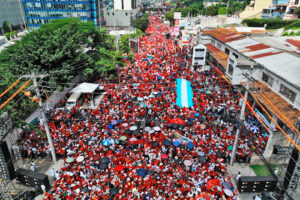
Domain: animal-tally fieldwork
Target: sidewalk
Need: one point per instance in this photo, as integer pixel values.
(245, 170)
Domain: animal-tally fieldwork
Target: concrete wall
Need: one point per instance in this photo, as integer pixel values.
(206, 21)
(121, 18)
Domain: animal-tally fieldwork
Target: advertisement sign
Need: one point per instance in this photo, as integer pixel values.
(177, 15)
(176, 22)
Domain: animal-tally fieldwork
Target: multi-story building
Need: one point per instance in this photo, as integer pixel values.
(12, 11)
(122, 15)
(39, 12)
(276, 68)
(290, 10)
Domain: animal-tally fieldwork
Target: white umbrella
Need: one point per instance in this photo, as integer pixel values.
(228, 192)
(156, 128)
(79, 158)
(151, 131)
(188, 163)
(125, 124)
(155, 92)
(133, 128)
(147, 129)
(133, 139)
(101, 87)
(151, 96)
(140, 99)
(145, 97)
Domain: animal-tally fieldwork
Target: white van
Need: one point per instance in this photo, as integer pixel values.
(72, 100)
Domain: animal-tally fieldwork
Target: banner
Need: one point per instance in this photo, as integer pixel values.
(184, 93)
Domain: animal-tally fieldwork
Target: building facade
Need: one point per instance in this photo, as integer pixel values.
(13, 12)
(39, 12)
(276, 91)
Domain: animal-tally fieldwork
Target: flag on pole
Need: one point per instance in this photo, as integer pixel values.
(184, 93)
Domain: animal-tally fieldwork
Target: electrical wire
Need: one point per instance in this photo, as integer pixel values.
(17, 92)
(286, 135)
(10, 87)
(284, 117)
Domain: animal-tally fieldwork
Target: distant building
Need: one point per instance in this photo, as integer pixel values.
(124, 4)
(13, 12)
(42, 11)
(293, 4)
(122, 15)
(119, 18)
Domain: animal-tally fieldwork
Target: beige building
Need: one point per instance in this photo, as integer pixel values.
(255, 8)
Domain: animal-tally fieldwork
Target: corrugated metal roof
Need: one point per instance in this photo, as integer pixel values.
(280, 63)
(284, 65)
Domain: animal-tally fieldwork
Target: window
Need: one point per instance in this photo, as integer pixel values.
(291, 95)
(230, 69)
(199, 58)
(213, 42)
(227, 51)
(235, 55)
(269, 80)
(199, 50)
(219, 45)
(107, 13)
(296, 2)
(126, 14)
(113, 13)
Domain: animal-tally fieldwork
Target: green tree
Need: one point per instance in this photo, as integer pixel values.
(222, 11)
(6, 27)
(141, 23)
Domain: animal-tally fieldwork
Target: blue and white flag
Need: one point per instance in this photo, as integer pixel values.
(184, 93)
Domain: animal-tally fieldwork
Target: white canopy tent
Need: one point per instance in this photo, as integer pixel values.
(85, 88)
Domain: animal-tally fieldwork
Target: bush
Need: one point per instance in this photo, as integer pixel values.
(15, 33)
(271, 23)
(7, 35)
(294, 25)
(12, 36)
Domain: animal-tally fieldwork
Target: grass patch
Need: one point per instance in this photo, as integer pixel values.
(262, 170)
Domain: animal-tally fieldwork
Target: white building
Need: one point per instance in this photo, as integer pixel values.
(199, 53)
(124, 4)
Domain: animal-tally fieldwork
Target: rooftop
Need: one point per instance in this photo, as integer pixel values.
(219, 55)
(266, 95)
(281, 63)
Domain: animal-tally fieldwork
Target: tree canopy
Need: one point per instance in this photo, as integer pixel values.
(141, 23)
(62, 49)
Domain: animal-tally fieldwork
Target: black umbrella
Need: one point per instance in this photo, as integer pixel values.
(189, 123)
(202, 159)
(156, 123)
(219, 154)
(127, 131)
(174, 126)
(154, 144)
(103, 166)
(113, 191)
(150, 172)
(167, 142)
(105, 160)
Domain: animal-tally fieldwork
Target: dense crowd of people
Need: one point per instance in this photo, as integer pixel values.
(138, 144)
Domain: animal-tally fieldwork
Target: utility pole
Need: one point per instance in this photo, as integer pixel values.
(44, 119)
(242, 116)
